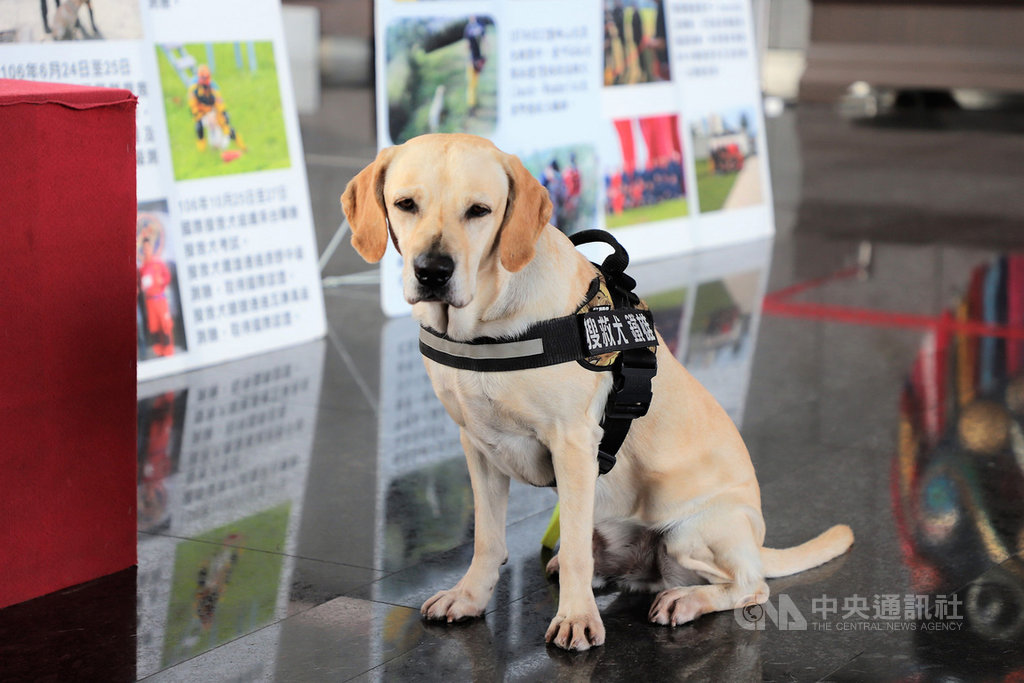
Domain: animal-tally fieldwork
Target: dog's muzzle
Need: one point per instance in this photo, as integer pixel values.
(433, 270)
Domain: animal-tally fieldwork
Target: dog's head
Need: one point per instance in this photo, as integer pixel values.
(457, 206)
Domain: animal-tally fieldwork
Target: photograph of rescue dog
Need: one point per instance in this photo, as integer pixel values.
(570, 175)
(679, 516)
(223, 108)
(442, 76)
(34, 21)
(725, 148)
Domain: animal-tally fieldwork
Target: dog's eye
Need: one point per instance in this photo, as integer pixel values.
(407, 205)
(477, 211)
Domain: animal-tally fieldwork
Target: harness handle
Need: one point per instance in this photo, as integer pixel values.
(613, 267)
(616, 262)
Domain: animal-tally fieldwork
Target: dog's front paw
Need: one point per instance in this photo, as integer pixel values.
(576, 632)
(453, 605)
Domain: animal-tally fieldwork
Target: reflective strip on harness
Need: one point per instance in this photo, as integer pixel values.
(514, 349)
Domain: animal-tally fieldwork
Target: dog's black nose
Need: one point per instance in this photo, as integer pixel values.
(433, 270)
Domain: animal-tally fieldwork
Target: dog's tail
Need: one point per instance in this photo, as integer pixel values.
(819, 550)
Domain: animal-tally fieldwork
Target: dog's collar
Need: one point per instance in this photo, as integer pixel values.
(611, 331)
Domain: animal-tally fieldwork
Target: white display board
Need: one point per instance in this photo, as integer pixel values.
(642, 117)
(223, 201)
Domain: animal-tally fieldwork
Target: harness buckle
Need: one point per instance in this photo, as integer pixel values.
(631, 392)
(605, 462)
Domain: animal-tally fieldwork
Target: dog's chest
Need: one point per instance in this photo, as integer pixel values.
(499, 421)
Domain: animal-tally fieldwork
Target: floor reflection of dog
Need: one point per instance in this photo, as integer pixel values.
(65, 19)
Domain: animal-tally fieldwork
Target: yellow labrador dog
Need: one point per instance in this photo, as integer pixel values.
(681, 511)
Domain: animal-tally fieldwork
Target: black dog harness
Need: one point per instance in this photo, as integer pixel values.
(613, 331)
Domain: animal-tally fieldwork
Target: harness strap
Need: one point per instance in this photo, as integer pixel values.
(635, 367)
(629, 399)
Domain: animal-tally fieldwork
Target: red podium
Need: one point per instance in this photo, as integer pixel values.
(67, 336)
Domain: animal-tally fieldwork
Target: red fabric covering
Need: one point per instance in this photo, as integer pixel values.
(67, 336)
(73, 96)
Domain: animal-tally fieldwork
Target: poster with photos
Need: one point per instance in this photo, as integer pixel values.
(642, 117)
(226, 255)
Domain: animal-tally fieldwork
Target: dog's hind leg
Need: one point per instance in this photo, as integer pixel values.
(618, 552)
(469, 597)
(723, 548)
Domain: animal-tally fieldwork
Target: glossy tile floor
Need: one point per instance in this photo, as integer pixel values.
(296, 508)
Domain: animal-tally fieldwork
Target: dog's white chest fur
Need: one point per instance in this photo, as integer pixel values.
(497, 421)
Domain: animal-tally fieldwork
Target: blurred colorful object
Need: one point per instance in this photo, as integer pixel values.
(958, 477)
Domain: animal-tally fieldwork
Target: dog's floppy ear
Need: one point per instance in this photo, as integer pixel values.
(527, 211)
(363, 204)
